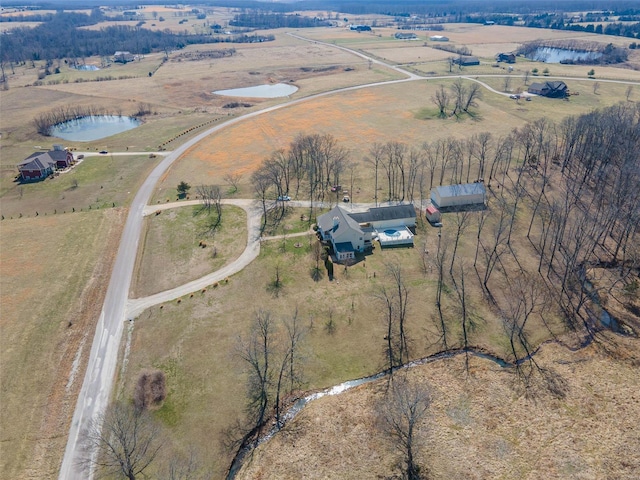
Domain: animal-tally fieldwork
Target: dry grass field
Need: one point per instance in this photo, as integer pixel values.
(484, 42)
(54, 274)
(360, 118)
(479, 426)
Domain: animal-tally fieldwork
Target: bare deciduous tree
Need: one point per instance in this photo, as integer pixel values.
(184, 467)
(210, 195)
(440, 260)
(257, 351)
(441, 100)
(523, 299)
(473, 93)
(261, 186)
(122, 441)
(375, 158)
(395, 299)
(506, 83)
(401, 415)
(233, 179)
(459, 93)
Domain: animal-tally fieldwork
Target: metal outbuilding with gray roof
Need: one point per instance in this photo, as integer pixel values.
(461, 195)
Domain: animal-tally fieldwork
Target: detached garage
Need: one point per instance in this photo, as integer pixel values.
(467, 194)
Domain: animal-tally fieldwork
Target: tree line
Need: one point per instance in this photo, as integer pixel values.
(59, 38)
(265, 20)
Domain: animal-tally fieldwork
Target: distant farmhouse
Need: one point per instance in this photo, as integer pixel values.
(351, 233)
(360, 28)
(438, 38)
(405, 36)
(123, 57)
(506, 57)
(41, 165)
(459, 196)
(557, 89)
(467, 61)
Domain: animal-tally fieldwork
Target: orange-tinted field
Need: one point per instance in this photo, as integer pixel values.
(356, 119)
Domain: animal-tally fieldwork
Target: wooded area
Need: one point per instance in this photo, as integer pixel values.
(61, 38)
(573, 186)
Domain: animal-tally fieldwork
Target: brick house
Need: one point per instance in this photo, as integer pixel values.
(40, 165)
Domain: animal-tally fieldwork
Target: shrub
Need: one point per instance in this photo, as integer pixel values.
(151, 390)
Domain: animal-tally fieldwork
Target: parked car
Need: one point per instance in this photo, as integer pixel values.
(346, 199)
(103, 152)
(284, 198)
(514, 97)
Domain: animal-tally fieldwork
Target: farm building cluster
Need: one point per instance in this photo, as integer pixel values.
(350, 234)
(40, 165)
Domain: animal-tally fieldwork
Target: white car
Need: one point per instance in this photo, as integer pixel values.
(284, 198)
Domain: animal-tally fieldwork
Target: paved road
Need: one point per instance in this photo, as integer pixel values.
(98, 381)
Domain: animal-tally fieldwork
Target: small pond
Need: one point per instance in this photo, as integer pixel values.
(260, 91)
(559, 55)
(93, 127)
(91, 68)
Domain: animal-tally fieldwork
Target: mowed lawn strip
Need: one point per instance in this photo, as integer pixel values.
(180, 245)
(55, 270)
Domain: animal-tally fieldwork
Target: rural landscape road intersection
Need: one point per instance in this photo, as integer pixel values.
(117, 308)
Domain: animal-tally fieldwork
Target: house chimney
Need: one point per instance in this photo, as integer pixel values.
(336, 222)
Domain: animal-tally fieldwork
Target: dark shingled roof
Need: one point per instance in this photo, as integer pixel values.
(380, 214)
(43, 159)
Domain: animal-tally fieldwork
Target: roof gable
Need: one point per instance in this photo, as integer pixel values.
(343, 222)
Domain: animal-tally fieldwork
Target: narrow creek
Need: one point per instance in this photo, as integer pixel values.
(247, 446)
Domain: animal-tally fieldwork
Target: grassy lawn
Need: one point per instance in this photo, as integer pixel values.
(97, 182)
(293, 221)
(52, 293)
(171, 253)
